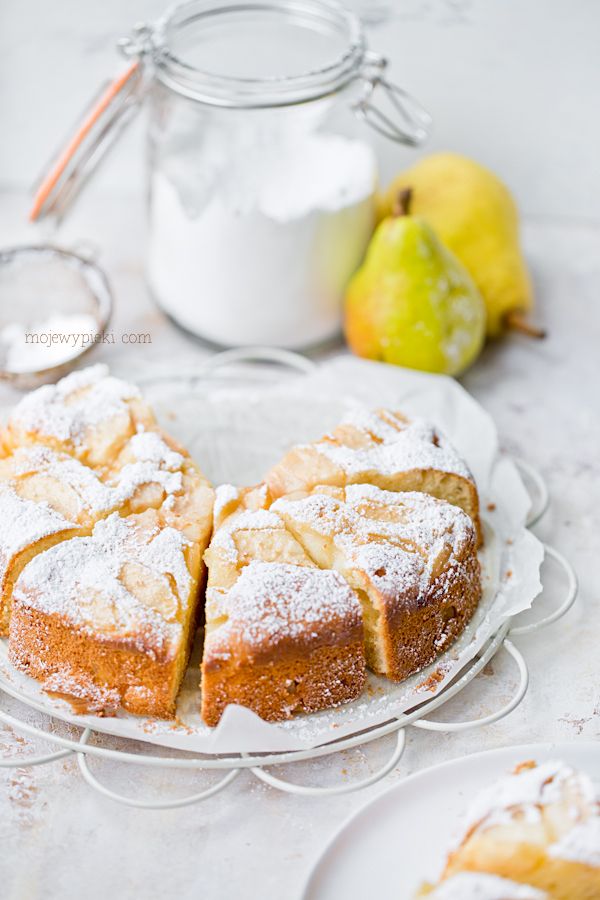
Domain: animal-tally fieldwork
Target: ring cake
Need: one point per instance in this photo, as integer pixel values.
(359, 550)
(383, 448)
(539, 826)
(106, 521)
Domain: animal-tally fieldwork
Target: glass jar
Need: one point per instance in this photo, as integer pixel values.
(260, 208)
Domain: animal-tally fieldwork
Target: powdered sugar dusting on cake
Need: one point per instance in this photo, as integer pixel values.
(24, 522)
(224, 495)
(154, 463)
(384, 426)
(82, 400)
(395, 538)
(580, 844)
(399, 446)
(271, 603)
(81, 580)
(93, 494)
(481, 886)
(83, 693)
(528, 790)
(125, 540)
(148, 446)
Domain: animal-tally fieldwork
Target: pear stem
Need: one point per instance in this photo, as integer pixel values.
(402, 203)
(516, 321)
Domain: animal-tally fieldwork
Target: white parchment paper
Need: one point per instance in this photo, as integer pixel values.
(236, 431)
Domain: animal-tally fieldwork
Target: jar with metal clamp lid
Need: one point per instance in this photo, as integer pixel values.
(260, 207)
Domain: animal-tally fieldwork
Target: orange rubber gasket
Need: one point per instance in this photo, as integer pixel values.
(49, 182)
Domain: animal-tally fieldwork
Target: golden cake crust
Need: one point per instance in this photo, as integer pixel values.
(50, 649)
(320, 679)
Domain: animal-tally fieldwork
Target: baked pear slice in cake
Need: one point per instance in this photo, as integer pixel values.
(412, 560)
(539, 826)
(383, 448)
(282, 636)
(107, 621)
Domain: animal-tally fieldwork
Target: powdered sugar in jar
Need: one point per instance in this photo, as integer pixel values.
(260, 205)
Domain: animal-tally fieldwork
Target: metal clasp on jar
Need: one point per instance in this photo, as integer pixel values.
(139, 43)
(415, 121)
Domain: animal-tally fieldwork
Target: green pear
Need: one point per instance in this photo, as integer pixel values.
(412, 303)
(474, 215)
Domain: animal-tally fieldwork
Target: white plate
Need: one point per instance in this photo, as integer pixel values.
(399, 839)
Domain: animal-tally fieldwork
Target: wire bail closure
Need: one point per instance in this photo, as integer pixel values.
(146, 50)
(415, 121)
(139, 43)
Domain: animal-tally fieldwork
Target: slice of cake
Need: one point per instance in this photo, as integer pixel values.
(89, 414)
(478, 886)
(107, 620)
(383, 448)
(412, 560)
(282, 636)
(539, 826)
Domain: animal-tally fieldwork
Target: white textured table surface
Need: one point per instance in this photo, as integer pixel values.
(60, 841)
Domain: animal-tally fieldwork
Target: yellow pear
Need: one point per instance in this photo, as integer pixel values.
(474, 215)
(412, 303)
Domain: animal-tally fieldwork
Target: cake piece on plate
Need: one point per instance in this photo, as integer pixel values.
(89, 414)
(412, 560)
(282, 636)
(383, 448)
(479, 886)
(107, 620)
(539, 826)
